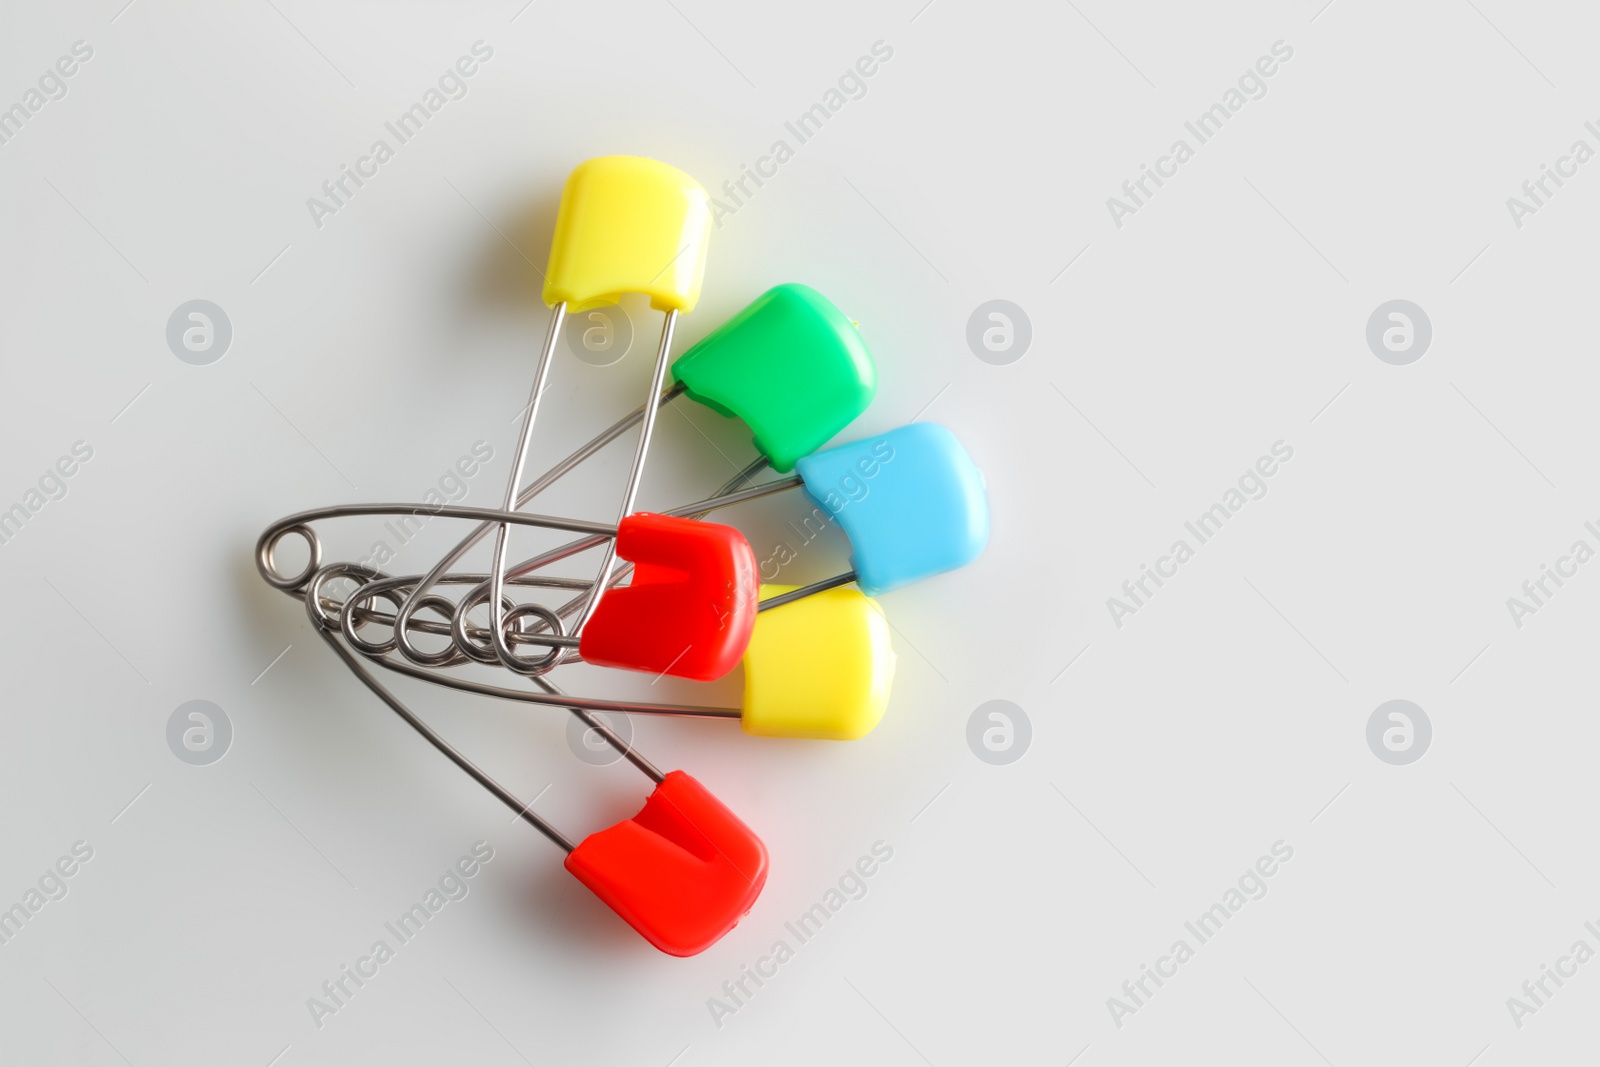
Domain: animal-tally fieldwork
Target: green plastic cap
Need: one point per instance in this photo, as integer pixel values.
(790, 365)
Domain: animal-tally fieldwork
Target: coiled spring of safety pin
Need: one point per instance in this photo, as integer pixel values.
(526, 624)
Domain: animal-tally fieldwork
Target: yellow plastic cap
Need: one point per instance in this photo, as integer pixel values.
(629, 225)
(818, 667)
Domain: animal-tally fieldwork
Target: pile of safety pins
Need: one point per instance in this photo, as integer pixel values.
(817, 659)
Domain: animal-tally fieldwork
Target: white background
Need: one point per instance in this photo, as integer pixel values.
(1168, 754)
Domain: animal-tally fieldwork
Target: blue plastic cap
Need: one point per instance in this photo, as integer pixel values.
(911, 501)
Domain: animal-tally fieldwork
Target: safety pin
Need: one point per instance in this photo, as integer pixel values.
(697, 566)
(817, 670)
(624, 222)
(682, 872)
(911, 501)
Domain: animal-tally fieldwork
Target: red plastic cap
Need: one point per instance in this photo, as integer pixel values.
(690, 608)
(682, 872)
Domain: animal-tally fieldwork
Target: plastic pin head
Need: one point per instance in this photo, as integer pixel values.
(911, 501)
(818, 667)
(690, 607)
(791, 365)
(629, 225)
(682, 872)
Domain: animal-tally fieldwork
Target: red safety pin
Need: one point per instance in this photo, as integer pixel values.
(682, 872)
